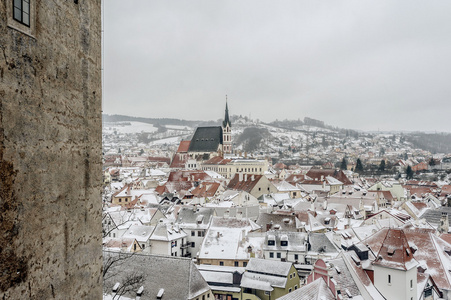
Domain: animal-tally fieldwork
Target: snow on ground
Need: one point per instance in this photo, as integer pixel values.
(124, 127)
(172, 140)
(178, 127)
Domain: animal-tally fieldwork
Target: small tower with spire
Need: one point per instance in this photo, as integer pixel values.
(226, 132)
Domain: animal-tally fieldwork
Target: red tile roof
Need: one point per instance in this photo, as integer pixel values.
(295, 178)
(244, 185)
(430, 251)
(319, 174)
(183, 147)
(217, 160)
(395, 252)
(188, 175)
(159, 159)
(178, 161)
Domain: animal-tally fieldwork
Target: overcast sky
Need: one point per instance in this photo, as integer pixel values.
(354, 64)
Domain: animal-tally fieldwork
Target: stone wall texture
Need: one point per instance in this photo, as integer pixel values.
(50, 152)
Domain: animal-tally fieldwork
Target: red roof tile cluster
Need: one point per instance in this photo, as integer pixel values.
(217, 160)
(387, 195)
(419, 191)
(318, 174)
(247, 184)
(446, 190)
(395, 252)
(159, 159)
(183, 147)
(188, 175)
(174, 186)
(280, 166)
(179, 161)
(419, 183)
(419, 205)
(427, 248)
(205, 189)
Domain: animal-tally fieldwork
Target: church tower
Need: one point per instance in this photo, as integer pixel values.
(226, 132)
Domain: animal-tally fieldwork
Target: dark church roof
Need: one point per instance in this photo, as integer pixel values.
(206, 139)
(226, 118)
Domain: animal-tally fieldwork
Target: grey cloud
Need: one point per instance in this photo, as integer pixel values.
(356, 64)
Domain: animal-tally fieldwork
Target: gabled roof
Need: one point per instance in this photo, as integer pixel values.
(395, 252)
(284, 186)
(178, 161)
(206, 139)
(269, 267)
(247, 184)
(195, 217)
(296, 178)
(281, 222)
(206, 189)
(227, 238)
(167, 232)
(187, 175)
(430, 252)
(318, 174)
(183, 147)
(316, 290)
(178, 276)
(217, 160)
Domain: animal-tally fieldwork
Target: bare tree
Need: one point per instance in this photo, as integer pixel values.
(116, 270)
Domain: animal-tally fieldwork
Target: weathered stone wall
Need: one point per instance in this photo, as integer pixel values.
(50, 152)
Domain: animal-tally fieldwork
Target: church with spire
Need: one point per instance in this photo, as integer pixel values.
(207, 142)
(227, 132)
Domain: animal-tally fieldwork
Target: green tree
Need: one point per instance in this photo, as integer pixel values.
(344, 164)
(409, 172)
(358, 165)
(382, 166)
(432, 162)
(141, 152)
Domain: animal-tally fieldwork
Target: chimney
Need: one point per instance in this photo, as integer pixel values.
(218, 234)
(140, 291)
(245, 177)
(268, 226)
(240, 176)
(252, 177)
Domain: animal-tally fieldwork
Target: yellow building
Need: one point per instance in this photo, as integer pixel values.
(229, 167)
(268, 279)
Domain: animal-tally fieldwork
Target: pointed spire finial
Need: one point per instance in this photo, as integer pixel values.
(226, 117)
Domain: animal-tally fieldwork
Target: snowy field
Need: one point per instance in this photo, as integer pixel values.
(124, 127)
(177, 127)
(172, 140)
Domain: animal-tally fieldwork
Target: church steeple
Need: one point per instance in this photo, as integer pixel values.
(226, 117)
(227, 132)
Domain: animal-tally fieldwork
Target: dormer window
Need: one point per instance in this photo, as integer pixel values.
(284, 240)
(21, 11)
(271, 240)
(391, 251)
